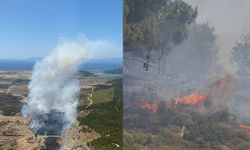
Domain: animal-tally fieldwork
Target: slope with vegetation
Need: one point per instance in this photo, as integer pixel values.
(162, 130)
(105, 116)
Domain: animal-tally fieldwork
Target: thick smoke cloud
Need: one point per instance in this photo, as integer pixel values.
(52, 91)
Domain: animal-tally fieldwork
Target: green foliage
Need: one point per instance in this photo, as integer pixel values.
(183, 119)
(130, 144)
(103, 95)
(106, 119)
(203, 131)
(215, 135)
(137, 140)
(153, 26)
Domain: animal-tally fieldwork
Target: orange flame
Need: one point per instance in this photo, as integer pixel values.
(190, 99)
(152, 106)
(246, 128)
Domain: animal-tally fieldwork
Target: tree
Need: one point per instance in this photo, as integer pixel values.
(152, 28)
(241, 57)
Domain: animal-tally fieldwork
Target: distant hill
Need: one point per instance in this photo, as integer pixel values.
(86, 73)
(113, 71)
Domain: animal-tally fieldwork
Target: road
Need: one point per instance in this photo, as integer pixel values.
(90, 97)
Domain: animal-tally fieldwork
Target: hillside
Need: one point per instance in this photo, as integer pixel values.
(182, 127)
(86, 73)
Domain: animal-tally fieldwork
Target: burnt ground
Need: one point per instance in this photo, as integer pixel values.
(9, 100)
(51, 143)
(4, 86)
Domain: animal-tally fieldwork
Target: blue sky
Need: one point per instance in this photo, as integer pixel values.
(32, 28)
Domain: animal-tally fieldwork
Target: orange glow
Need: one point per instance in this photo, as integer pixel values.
(190, 99)
(246, 128)
(152, 106)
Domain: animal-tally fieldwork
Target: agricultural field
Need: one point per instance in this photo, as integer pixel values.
(105, 115)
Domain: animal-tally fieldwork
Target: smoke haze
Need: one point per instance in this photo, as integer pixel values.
(229, 17)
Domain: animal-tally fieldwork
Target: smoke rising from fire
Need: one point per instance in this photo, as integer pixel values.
(51, 87)
(52, 90)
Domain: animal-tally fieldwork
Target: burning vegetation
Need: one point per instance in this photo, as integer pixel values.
(211, 130)
(208, 125)
(151, 106)
(218, 93)
(190, 99)
(246, 128)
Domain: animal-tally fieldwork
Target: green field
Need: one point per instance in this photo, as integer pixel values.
(105, 116)
(103, 95)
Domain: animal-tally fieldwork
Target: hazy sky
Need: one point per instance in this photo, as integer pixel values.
(230, 18)
(32, 28)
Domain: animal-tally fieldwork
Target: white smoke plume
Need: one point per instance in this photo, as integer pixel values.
(52, 87)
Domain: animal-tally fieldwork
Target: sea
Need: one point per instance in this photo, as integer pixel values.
(94, 66)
